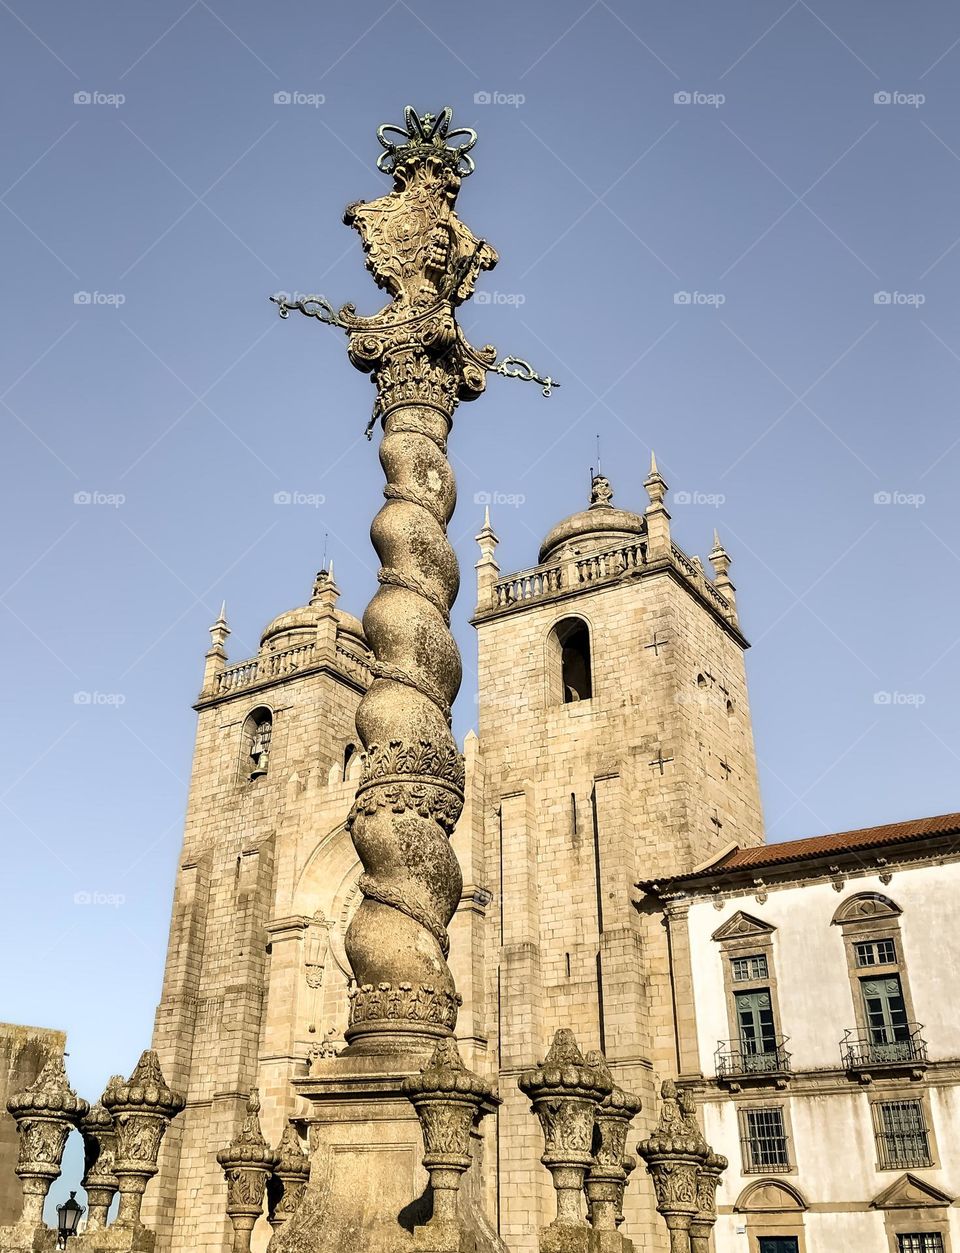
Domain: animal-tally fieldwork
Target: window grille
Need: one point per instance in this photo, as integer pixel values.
(875, 952)
(744, 968)
(764, 1140)
(920, 1242)
(902, 1139)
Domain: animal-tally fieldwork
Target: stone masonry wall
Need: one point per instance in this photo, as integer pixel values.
(576, 811)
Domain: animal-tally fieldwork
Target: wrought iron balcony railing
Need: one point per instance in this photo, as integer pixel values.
(884, 1046)
(739, 1058)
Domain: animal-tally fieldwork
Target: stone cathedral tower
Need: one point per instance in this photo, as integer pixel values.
(614, 745)
(256, 973)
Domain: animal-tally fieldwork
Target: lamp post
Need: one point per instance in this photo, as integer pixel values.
(68, 1215)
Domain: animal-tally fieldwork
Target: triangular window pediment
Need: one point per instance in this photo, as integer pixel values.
(910, 1192)
(742, 926)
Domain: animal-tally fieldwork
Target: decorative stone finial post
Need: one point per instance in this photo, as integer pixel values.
(44, 1113)
(488, 571)
(675, 1154)
(658, 520)
(215, 658)
(246, 1162)
(449, 1100)
(99, 1158)
(142, 1108)
(290, 1176)
(607, 1176)
(708, 1180)
(720, 560)
(324, 598)
(411, 790)
(565, 1091)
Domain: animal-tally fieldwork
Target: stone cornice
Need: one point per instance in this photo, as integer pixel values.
(831, 1081)
(483, 616)
(244, 693)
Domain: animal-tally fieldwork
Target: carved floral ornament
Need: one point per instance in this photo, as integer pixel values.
(449, 1100)
(44, 1113)
(565, 1090)
(684, 1169)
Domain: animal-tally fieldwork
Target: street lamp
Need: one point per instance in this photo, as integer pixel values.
(68, 1215)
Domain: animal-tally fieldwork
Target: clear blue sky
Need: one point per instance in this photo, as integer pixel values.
(783, 187)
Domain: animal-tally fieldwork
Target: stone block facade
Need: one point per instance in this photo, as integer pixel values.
(571, 797)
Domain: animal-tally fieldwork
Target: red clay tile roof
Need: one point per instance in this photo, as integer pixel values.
(822, 845)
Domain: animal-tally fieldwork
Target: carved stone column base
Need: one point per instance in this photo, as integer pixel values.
(27, 1237)
(610, 1242)
(368, 1191)
(560, 1237)
(114, 1239)
(437, 1237)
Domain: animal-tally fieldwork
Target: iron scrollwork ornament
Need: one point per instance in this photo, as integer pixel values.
(424, 256)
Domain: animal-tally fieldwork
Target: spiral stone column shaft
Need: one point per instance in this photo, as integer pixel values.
(411, 789)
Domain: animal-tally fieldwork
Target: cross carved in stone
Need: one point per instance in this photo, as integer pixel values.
(660, 760)
(656, 644)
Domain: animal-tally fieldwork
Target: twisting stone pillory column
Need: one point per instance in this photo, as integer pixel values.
(411, 789)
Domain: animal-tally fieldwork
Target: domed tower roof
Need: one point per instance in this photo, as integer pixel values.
(299, 626)
(598, 527)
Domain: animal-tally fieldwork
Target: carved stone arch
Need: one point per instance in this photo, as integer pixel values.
(329, 882)
(866, 907)
(256, 736)
(770, 1196)
(742, 926)
(569, 659)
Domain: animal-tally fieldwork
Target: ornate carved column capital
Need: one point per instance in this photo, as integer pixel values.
(607, 1175)
(708, 1180)
(44, 1113)
(290, 1177)
(142, 1108)
(565, 1090)
(99, 1161)
(450, 1100)
(683, 1169)
(247, 1162)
